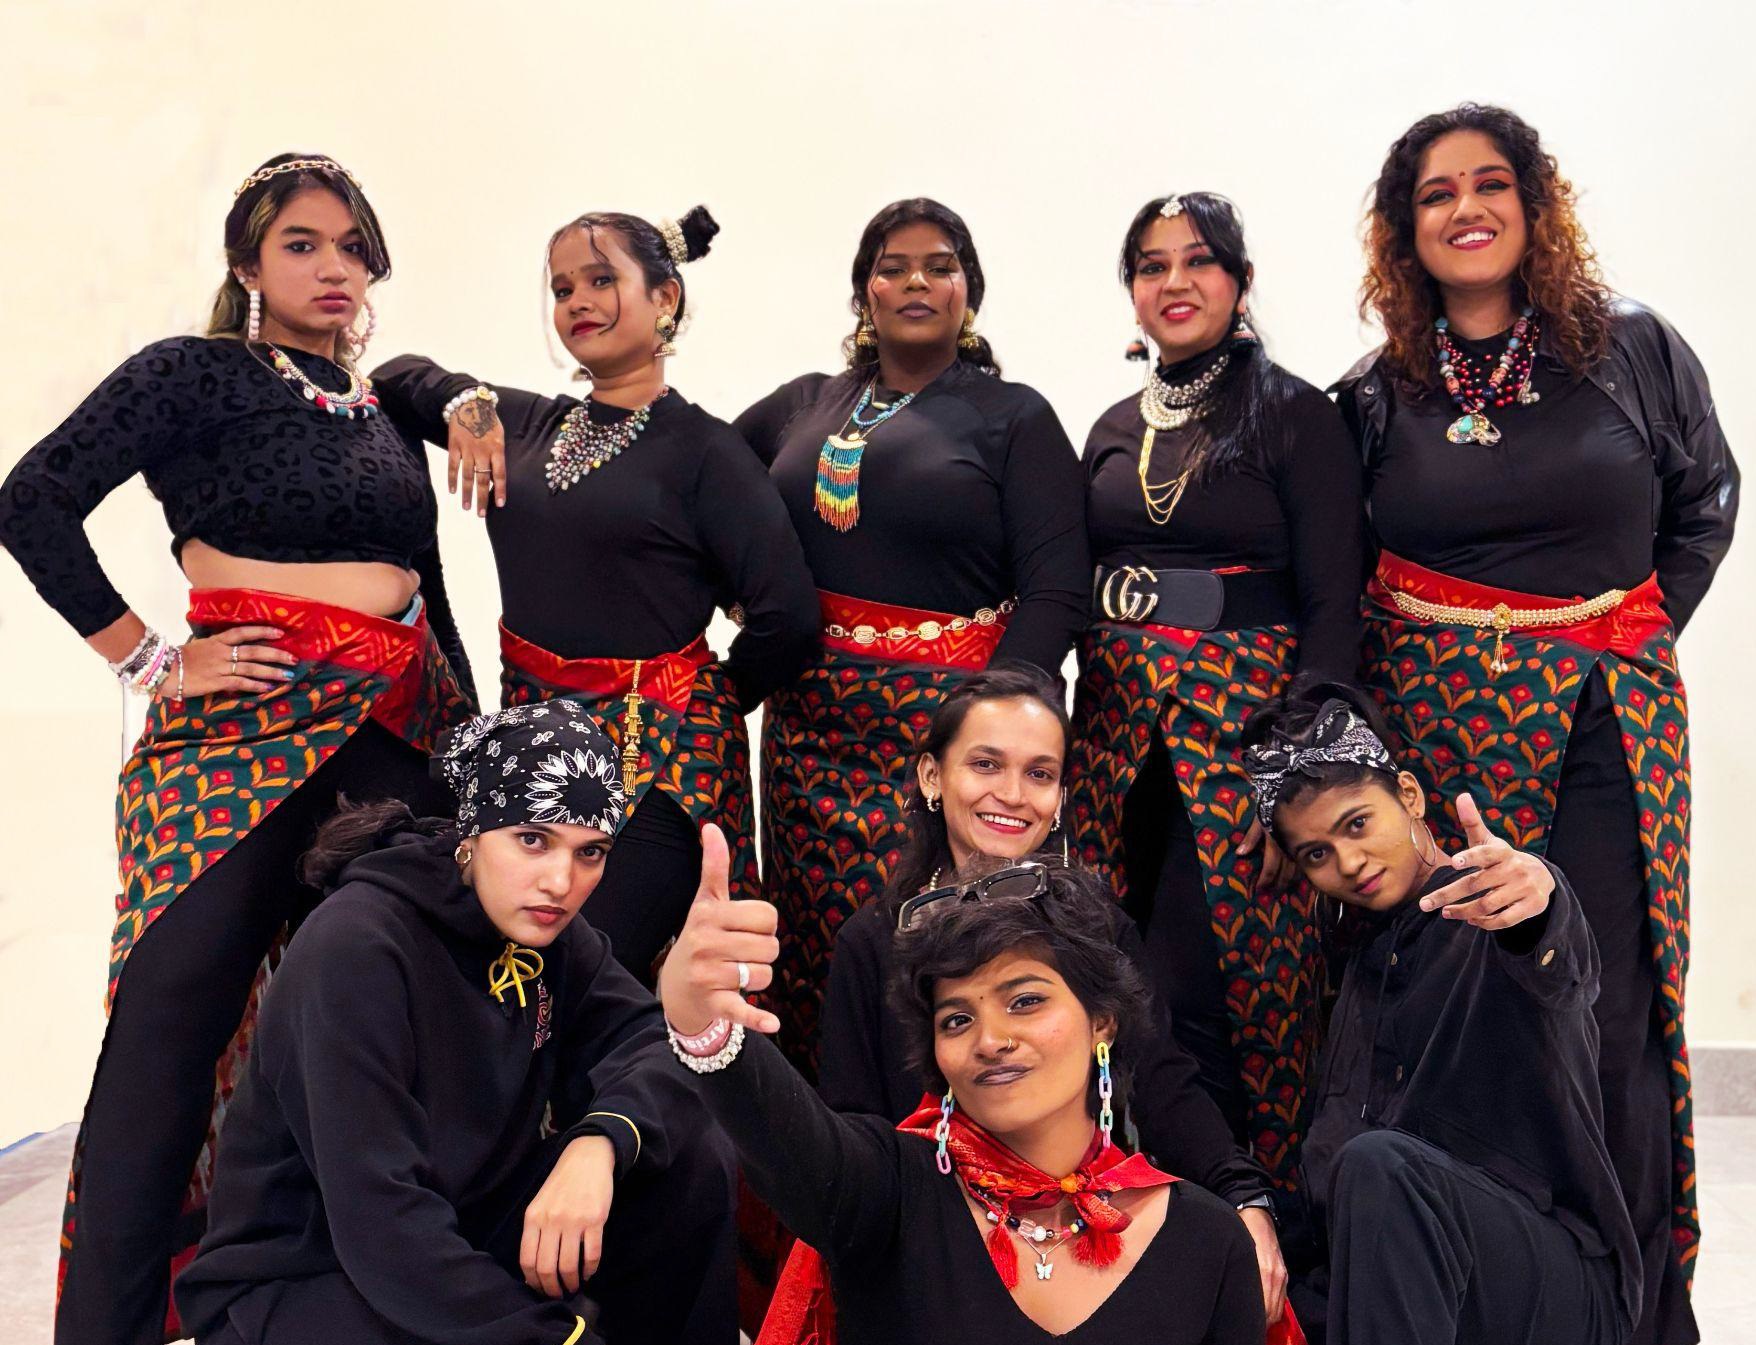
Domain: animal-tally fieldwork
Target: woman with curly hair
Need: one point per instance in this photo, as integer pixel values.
(1551, 493)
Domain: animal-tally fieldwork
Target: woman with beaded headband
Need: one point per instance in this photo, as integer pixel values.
(461, 1112)
(1551, 493)
(306, 526)
(939, 511)
(618, 524)
(1005, 1207)
(1223, 509)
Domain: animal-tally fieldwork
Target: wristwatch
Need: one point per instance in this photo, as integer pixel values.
(1261, 1202)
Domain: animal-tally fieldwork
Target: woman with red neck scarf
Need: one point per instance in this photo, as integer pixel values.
(1004, 1208)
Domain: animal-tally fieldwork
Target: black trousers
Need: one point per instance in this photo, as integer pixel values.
(1595, 841)
(667, 1276)
(649, 883)
(1427, 1250)
(181, 997)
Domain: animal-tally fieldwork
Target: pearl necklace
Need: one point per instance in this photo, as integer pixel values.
(359, 396)
(1167, 406)
(582, 446)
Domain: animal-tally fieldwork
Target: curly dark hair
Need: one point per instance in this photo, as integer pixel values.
(1070, 927)
(1558, 276)
(898, 215)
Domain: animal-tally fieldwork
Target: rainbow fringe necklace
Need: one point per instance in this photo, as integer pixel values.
(838, 465)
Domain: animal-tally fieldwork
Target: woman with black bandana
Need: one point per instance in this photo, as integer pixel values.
(461, 1112)
(618, 524)
(323, 659)
(1223, 510)
(938, 506)
(1552, 493)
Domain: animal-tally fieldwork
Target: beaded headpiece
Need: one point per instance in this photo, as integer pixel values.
(1339, 735)
(675, 243)
(294, 166)
(1172, 207)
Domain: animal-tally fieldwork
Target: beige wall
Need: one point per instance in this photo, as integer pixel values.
(475, 132)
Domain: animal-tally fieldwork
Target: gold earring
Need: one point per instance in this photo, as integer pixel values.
(969, 340)
(865, 335)
(463, 854)
(667, 328)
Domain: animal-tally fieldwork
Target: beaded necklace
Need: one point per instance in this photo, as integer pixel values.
(582, 446)
(1042, 1240)
(1167, 406)
(838, 462)
(358, 399)
(1508, 382)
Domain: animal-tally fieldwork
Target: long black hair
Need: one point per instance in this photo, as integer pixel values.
(898, 215)
(1240, 421)
(357, 829)
(929, 845)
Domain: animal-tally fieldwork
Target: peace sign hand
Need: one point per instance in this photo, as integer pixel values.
(1508, 886)
(699, 982)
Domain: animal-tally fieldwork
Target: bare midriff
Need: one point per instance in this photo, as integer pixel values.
(375, 587)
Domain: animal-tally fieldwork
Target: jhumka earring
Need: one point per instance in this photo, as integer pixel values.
(969, 340)
(865, 335)
(1241, 330)
(667, 329)
(253, 329)
(1137, 349)
(942, 1131)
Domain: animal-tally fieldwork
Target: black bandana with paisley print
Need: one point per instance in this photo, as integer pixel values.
(546, 762)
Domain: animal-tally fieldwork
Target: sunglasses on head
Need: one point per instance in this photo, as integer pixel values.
(1022, 881)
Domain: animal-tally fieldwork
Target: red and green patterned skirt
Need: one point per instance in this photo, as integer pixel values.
(1191, 691)
(838, 751)
(208, 770)
(1503, 736)
(693, 742)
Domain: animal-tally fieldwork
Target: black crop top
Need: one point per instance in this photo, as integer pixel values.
(239, 460)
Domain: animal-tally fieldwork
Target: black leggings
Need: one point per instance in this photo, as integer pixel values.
(180, 999)
(1595, 841)
(649, 883)
(667, 1276)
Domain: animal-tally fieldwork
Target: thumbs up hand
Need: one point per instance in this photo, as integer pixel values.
(700, 982)
(1508, 886)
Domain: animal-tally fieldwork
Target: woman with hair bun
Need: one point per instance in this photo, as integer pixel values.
(1552, 493)
(619, 522)
(318, 664)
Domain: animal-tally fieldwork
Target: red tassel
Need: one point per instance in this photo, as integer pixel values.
(1096, 1248)
(1003, 1255)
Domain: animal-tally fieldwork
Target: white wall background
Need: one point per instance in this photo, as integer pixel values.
(476, 130)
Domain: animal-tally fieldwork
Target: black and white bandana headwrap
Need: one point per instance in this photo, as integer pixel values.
(545, 762)
(1339, 735)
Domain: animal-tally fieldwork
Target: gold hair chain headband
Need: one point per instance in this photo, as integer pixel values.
(294, 166)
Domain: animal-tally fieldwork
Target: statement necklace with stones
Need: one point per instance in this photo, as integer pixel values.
(1170, 406)
(1473, 389)
(358, 400)
(583, 446)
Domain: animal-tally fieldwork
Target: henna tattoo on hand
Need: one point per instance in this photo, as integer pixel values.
(478, 417)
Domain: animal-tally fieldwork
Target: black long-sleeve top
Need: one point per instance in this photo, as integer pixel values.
(864, 1067)
(968, 496)
(388, 1094)
(632, 559)
(240, 460)
(906, 1259)
(1484, 1045)
(1291, 502)
(1604, 480)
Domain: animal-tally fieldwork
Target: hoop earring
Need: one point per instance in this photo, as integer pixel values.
(357, 343)
(667, 328)
(253, 328)
(865, 335)
(932, 803)
(1414, 835)
(969, 340)
(463, 854)
(942, 1131)
(1106, 1092)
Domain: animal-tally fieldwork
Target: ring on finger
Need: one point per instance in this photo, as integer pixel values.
(481, 471)
(234, 659)
(743, 977)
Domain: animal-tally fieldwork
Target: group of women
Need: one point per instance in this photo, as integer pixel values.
(1498, 526)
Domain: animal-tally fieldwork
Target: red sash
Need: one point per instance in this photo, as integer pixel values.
(946, 643)
(666, 678)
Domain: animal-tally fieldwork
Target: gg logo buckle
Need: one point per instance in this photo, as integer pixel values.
(1121, 600)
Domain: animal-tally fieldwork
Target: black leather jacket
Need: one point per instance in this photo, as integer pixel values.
(1654, 378)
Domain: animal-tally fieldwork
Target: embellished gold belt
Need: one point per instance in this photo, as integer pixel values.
(866, 634)
(1503, 618)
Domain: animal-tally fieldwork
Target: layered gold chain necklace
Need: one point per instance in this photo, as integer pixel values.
(1171, 406)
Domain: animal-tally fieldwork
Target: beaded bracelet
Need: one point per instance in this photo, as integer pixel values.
(145, 669)
(708, 1064)
(478, 393)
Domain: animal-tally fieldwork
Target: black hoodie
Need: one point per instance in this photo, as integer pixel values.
(388, 1096)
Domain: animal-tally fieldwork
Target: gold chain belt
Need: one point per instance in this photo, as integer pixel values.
(1502, 617)
(927, 630)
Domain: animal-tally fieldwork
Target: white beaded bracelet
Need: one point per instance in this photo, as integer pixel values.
(480, 392)
(707, 1064)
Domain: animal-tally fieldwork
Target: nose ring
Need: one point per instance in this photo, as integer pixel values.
(1011, 1045)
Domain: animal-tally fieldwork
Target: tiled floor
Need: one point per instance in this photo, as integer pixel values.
(33, 1176)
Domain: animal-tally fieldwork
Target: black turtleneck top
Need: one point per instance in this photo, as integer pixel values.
(1290, 501)
(389, 1098)
(968, 496)
(632, 559)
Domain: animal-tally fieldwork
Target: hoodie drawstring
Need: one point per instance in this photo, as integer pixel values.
(512, 969)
